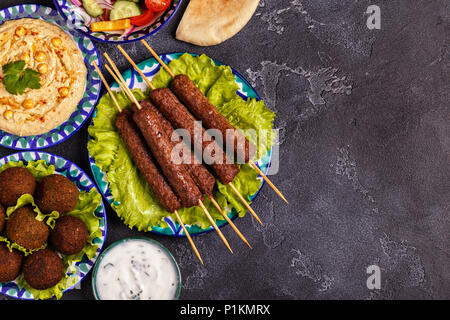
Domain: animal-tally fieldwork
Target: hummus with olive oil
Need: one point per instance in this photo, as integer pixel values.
(45, 48)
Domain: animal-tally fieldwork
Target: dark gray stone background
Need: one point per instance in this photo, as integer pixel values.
(364, 154)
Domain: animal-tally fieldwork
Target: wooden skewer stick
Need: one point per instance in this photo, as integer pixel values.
(267, 180)
(149, 83)
(123, 85)
(231, 185)
(120, 110)
(122, 80)
(229, 221)
(113, 97)
(158, 58)
(155, 55)
(188, 236)
(213, 223)
(146, 79)
(245, 203)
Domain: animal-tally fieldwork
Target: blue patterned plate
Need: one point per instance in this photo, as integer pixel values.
(150, 68)
(93, 82)
(84, 183)
(73, 15)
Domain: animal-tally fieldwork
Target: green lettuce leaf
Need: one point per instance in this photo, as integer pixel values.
(134, 202)
(38, 169)
(27, 199)
(254, 120)
(200, 69)
(246, 182)
(85, 208)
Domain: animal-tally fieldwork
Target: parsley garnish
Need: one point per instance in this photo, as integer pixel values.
(17, 78)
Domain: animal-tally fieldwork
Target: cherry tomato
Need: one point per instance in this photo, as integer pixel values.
(157, 5)
(142, 19)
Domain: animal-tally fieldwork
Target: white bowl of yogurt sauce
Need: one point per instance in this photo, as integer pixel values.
(136, 268)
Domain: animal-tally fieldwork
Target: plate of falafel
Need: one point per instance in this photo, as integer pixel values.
(52, 225)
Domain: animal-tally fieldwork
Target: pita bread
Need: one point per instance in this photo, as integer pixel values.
(210, 22)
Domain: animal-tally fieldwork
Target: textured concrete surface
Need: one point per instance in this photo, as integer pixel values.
(364, 154)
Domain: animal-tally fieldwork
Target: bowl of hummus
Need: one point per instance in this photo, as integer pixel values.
(47, 86)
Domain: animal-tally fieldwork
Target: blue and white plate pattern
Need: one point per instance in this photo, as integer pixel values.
(84, 183)
(150, 68)
(93, 81)
(69, 11)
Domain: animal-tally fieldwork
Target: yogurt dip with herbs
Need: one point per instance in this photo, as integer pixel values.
(136, 269)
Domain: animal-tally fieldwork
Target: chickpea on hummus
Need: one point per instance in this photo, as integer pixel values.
(51, 55)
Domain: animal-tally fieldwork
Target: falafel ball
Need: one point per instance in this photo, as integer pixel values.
(15, 182)
(56, 193)
(2, 218)
(10, 263)
(23, 228)
(70, 235)
(43, 269)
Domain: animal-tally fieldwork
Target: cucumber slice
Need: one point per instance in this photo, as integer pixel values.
(92, 8)
(124, 9)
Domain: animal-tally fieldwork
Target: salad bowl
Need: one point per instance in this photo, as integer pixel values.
(117, 21)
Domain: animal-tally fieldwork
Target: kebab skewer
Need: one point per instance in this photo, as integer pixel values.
(180, 117)
(144, 161)
(160, 145)
(201, 176)
(199, 105)
(204, 179)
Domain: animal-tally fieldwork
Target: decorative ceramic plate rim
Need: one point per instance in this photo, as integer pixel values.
(169, 13)
(67, 165)
(130, 75)
(93, 82)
